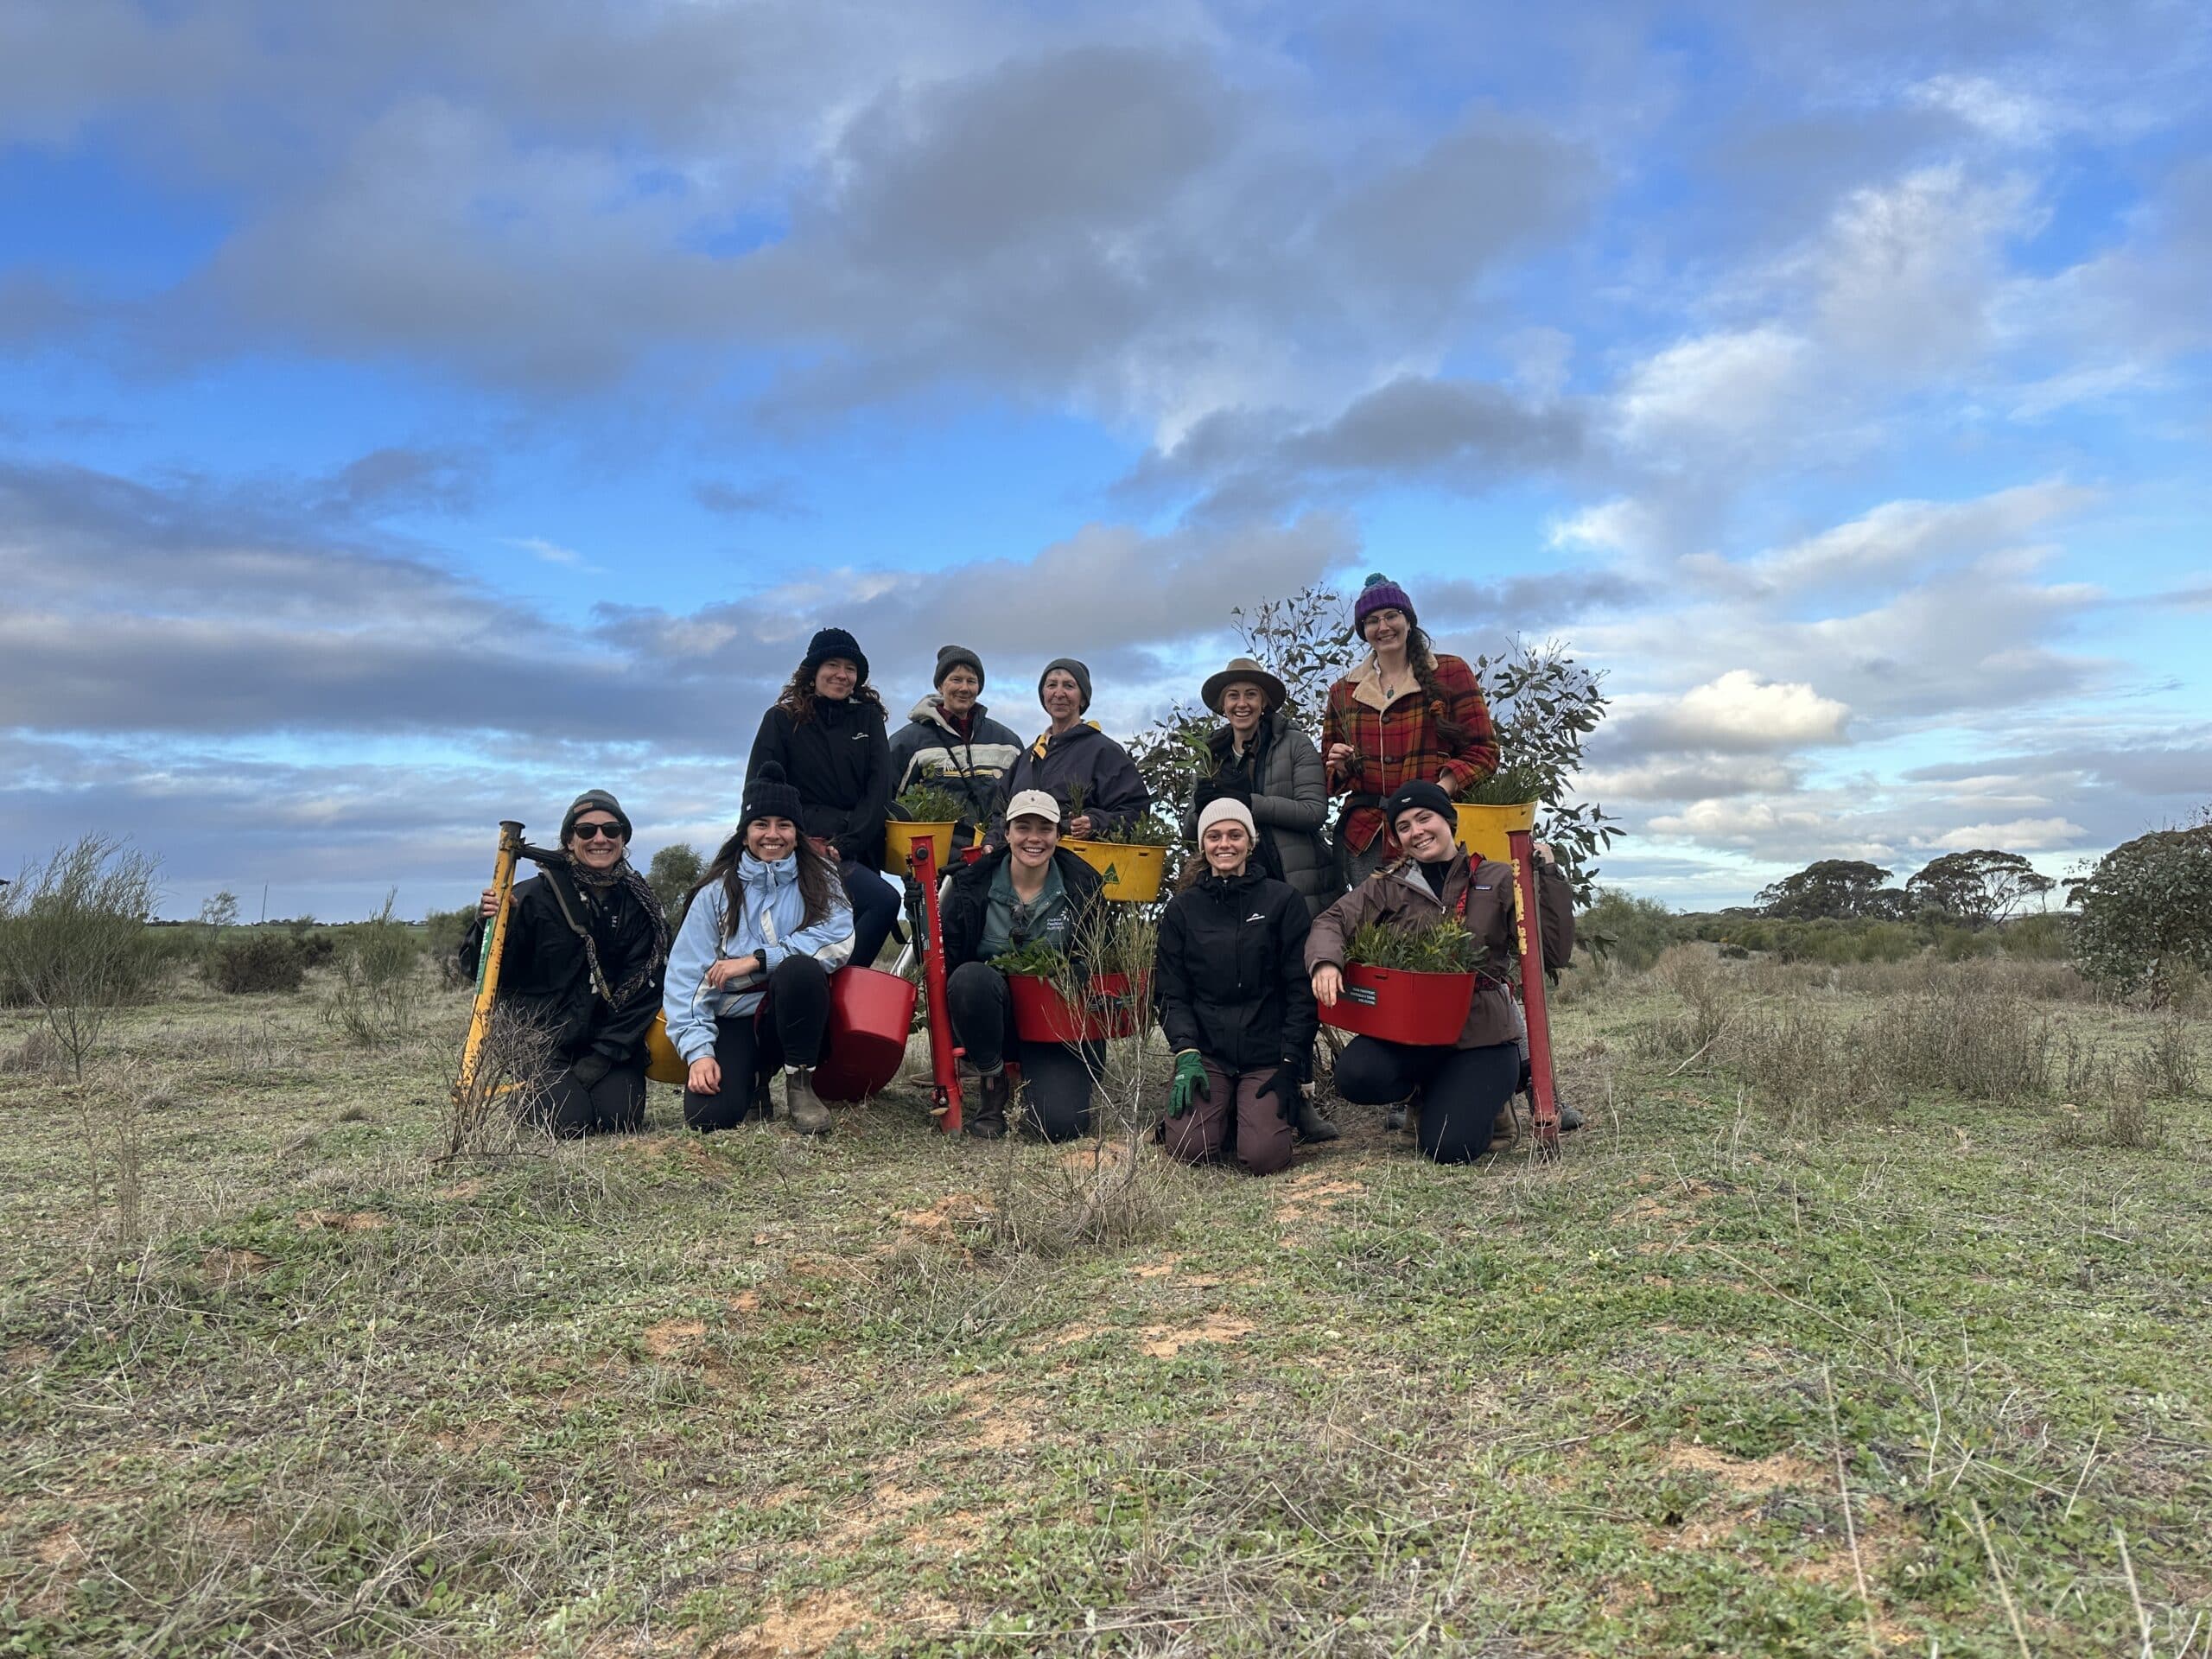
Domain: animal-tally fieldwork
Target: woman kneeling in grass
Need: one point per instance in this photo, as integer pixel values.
(1028, 899)
(585, 943)
(748, 982)
(1230, 985)
(1461, 1085)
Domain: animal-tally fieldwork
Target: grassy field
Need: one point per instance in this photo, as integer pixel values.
(1799, 1350)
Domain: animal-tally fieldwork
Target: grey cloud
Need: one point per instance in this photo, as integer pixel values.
(777, 498)
(1461, 436)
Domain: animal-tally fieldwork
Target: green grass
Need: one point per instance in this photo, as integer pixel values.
(753, 1394)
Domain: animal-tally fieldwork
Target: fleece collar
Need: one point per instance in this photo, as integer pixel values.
(1367, 685)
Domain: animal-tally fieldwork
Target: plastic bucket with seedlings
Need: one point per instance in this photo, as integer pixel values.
(663, 1063)
(870, 1014)
(1042, 1014)
(1484, 830)
(1399, 1006)
(899, 836)
(1131, 874)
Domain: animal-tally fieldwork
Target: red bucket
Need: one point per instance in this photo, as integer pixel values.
(870, 1014)
(1427, 1010)
(1041, 1015)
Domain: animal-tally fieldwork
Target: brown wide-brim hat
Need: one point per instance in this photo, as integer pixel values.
(1244, 668)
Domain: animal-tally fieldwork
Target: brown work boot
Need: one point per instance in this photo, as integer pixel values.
(808, 1114)
(991, 1094)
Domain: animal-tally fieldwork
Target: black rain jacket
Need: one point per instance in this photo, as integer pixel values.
(840, 763)
(1231, 977)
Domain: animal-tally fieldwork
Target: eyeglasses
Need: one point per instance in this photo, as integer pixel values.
(593, 831)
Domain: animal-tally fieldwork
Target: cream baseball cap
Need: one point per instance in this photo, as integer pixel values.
(1034, 804)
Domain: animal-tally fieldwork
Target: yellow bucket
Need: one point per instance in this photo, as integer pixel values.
(663, 1063)
(1132, 873)
(899, 836)
(1483, 830)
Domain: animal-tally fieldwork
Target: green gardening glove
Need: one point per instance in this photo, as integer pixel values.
(1190, 1079)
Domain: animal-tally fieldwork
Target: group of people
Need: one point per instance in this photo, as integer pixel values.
(1251, 946)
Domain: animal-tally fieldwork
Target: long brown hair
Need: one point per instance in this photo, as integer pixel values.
(814, 877)
(798, 697)
(1420, 657)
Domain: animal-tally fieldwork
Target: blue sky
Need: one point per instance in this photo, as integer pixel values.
(412, 414)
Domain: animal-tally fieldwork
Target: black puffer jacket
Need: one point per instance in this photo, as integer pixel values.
(545, 974)
(1231, 977)
(966, 907)
(840, 763)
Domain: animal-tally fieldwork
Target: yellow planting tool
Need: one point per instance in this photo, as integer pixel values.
(487, 958)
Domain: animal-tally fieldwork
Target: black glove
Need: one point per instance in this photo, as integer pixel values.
(1282, 1084)
(590, 1069)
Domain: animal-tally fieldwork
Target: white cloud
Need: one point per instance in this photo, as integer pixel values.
(2020, 835)
(2005, 113)
(1741, 708)
(1726, 385)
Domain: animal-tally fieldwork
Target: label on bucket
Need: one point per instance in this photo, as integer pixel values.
(1111, 876)
(1359, 994)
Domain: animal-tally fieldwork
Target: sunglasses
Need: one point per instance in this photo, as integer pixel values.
(593, 831)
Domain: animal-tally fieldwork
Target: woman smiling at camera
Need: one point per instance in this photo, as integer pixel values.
(748, 982)
(1405, 715)
(826, 731)
(1462, 1084)
(1073, 756)
(1030, 890)
(586, 941)
(1230, 985)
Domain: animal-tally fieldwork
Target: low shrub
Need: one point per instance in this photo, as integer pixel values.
(1624, 930)
(377, 994)
(257, 961)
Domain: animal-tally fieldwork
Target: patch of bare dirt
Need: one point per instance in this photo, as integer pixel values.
(1757, 1475)
(1316, 1191)
(673, 1338)
(1166, 1265)
(341, 1221)
(746, 1301)
(222, 1266)
(949, 1213)
(1164, 1342)
(462, 1190)
(805, 1628)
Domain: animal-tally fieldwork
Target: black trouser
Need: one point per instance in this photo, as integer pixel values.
(1056, 1081)
(784, 1030)
(1461, 1089)
(875, 910)
(615, 1104)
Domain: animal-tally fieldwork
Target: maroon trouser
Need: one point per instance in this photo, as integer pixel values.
(1237, 1111)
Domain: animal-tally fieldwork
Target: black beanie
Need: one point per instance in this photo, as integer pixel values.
(1082, 678)
(951, 656)
(767, 796)
(1419, 792)
(835, 642)
(585, 803)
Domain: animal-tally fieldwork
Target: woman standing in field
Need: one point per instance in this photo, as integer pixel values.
(1405, 714)
(1261, 757)
(748, 982)
(1073, 757)
(827, 733)
(1028, 891)
(1462, 1084)
(951, 742)
(586, 942)
(1231, 984)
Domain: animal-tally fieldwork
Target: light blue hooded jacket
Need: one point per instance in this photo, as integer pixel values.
(768, 925)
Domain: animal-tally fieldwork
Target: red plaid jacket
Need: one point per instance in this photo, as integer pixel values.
(1395, 743)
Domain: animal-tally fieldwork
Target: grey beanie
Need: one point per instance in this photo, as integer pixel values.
(951, 656)
(1082, 677)
(585, 803)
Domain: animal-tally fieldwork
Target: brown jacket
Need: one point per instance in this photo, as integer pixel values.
(1397, 896)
